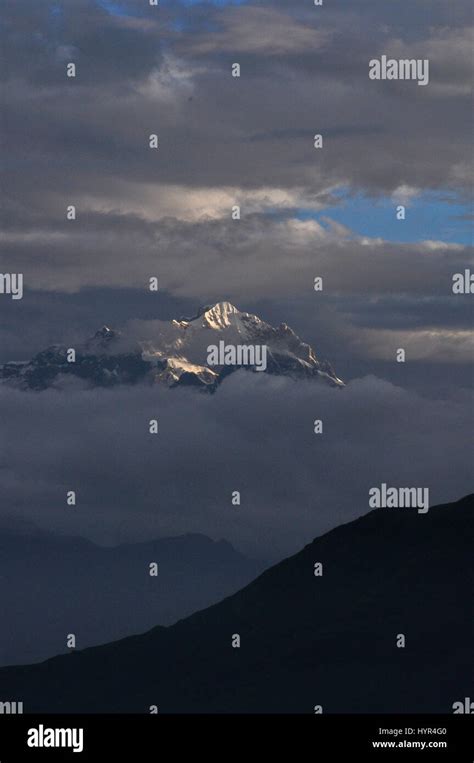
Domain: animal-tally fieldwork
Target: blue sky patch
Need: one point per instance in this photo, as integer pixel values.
(430, 216)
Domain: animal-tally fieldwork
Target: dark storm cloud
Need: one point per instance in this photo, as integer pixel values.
(41, 37)
(84, 141)
(137, 74)
(409, 312)
(210, 256)
(132, 484)
(410, 19)
(226, 141)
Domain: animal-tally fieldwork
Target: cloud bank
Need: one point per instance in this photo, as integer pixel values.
(255, 436)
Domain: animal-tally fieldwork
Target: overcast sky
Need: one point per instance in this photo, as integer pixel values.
(305, 212)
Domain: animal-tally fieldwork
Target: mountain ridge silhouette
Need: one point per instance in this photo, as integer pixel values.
(306, 640)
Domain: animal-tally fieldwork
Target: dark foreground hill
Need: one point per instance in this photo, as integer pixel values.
(305, 640)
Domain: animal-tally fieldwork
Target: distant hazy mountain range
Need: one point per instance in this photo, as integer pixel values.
(306, 640)
(176, 356)
(51, 586)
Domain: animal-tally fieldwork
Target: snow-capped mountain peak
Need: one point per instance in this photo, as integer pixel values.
(219, 316)
(177, 354)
